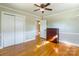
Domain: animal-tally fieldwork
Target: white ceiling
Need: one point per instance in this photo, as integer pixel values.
(29, 7)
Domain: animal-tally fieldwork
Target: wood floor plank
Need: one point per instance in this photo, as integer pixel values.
(44, 49)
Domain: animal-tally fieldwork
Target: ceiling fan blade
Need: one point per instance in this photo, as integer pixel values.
(36, 5)
(36, 9)
(48, 9)
(47, 4)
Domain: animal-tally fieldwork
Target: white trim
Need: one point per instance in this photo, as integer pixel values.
(30, 39)
(69, 43)
(69, 33)
(20, 43)
(65, 37)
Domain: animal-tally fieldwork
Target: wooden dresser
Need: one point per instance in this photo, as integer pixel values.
(53, 35)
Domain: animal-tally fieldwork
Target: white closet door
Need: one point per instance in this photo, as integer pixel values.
(19, 28)
(7, 28)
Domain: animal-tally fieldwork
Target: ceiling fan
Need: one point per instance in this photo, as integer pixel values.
(42, 7)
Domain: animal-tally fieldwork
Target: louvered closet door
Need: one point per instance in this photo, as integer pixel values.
(7, 28)
(19, 29)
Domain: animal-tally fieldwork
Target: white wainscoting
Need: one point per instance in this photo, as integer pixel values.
(27, 36)
(69, 38)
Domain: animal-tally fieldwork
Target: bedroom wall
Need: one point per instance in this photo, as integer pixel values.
(68, 24)
(29, 27)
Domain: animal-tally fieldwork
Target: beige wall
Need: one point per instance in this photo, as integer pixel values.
(66, 21)
(68, 24)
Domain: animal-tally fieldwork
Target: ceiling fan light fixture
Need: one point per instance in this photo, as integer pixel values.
(42, 9)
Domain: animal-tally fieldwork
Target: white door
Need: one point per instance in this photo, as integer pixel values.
(43, 28)
(19, 29)
(7, 29)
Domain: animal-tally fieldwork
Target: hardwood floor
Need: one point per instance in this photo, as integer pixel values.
(46, 48)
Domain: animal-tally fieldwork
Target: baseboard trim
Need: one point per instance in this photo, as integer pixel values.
(43, 38)
(29, 40)
(20, 43)
(69, 43)
(1, 47)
